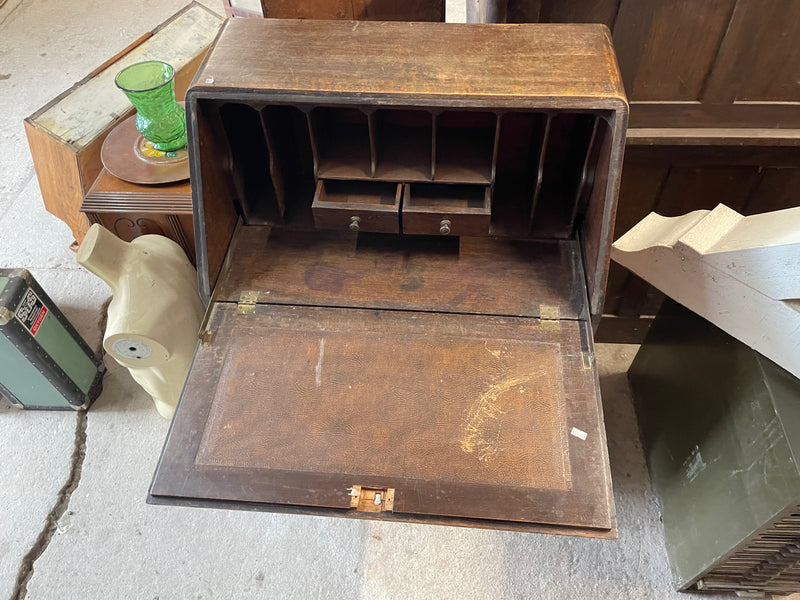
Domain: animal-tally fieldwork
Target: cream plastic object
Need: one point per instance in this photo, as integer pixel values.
(156, 311)
(740, 273)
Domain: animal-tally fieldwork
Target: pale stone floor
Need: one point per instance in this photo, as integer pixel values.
(73, 519)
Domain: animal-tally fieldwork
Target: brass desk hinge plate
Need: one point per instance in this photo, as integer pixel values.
(371, 499)
(550, 317)
(247, 303)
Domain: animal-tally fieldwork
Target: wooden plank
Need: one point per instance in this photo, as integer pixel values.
(721, 156)
(381, 399)
(666, 48)
(756, 115)
(110, 194)
(771, 73)
(382, 60)
(715, 136)
(470, 275)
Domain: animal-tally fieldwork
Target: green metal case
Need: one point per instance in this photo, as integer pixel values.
(44, 362)
(720, 427)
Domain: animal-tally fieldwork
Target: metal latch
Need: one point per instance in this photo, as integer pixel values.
(247, 303)
(371, 499)
(550, 317)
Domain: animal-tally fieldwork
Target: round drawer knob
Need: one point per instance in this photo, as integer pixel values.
(444, 227)
(355, 223)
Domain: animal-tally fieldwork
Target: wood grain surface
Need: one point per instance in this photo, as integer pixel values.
(470, 275)
(515, 63)
(381, 399)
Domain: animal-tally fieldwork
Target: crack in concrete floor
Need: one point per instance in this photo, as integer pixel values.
(65, 493)
(62, 502)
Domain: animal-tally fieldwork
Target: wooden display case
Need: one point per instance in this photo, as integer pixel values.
(65, 136)
(401, 252)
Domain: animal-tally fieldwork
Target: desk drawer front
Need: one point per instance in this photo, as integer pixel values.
(446, 209)
(357, 206)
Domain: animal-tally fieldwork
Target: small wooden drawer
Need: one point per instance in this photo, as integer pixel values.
(442, 209)
(357, 206)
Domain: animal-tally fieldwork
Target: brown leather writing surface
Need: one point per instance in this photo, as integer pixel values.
(295, 405)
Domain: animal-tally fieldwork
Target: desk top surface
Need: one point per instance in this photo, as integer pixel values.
(438, 61)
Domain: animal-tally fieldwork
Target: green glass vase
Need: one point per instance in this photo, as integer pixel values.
(150, 86)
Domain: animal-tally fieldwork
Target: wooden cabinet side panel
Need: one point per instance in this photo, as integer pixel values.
(598, 226)
(213, 193)
(58, 171)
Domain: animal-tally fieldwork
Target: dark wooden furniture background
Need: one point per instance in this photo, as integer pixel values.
(714, 90)
(359, 10)
(401, 249)
(130, 210)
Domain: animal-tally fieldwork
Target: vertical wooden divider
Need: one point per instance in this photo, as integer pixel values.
(540, 167)
(434, 121)
(496, 148)
(587, 171)
(274, 164)
(373, 142)
(312, 136)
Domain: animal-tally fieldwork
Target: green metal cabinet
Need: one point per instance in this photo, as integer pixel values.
(720, 426)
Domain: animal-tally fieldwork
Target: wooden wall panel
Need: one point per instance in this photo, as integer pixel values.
(667, 48)
(578, 11)
(640, 189)
(772, 73)
(360, 10)
(778, 189)
(703, 187)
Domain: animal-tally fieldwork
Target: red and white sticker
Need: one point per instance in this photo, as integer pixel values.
(31, 312)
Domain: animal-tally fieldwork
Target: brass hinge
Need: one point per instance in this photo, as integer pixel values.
(5, 315)
(550, 317)
(371, 499)
(206, 337)
(247, 303)
(588, 360)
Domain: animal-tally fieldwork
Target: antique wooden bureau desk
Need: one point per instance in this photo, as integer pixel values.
(402, 234)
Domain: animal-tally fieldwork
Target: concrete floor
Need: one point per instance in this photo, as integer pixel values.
(73, 518)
